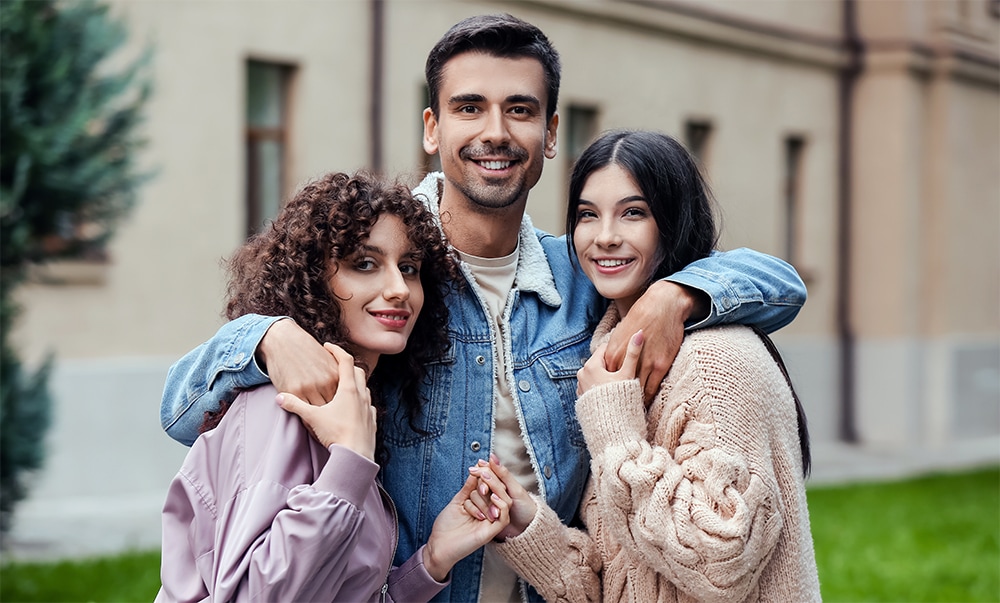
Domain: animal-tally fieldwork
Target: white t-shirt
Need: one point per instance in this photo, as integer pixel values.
(495, 277)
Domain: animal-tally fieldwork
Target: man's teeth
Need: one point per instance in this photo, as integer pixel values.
(611, 263)
(495, 165)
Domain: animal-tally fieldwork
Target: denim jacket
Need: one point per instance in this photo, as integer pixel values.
(550, 316)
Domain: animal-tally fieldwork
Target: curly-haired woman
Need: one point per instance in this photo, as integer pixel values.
(277, 499)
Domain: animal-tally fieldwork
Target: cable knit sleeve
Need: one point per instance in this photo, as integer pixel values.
(562, 563)
(697, 499)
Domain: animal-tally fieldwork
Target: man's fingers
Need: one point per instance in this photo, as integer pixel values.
(614, 350)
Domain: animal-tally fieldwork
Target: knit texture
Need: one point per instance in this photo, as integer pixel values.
(700, 497)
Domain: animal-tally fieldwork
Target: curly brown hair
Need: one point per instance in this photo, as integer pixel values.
(285, 270)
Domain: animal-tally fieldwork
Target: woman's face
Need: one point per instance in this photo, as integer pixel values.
(379, 290)
(616, 237)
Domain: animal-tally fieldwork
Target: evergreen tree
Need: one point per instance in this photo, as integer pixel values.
(67, 177)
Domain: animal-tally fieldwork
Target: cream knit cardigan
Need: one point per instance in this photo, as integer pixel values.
(698, 498)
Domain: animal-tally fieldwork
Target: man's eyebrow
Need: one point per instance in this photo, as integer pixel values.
(472, 97)
(466, 98)
(524, 98)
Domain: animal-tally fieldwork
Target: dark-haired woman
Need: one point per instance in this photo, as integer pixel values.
(697, 494)
(278, 500)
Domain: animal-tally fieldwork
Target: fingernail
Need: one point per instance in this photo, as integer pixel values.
(494, 458)
(637, 338)
(483, 489)
(495, 497)
(495, 512)
(279, 399)
(486, 475)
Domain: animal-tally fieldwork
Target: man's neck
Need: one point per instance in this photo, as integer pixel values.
(487, 234)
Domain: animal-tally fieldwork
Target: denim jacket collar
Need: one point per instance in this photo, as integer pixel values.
(533, 271)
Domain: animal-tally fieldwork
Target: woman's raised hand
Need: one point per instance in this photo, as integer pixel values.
(595, 371)
(348, 419)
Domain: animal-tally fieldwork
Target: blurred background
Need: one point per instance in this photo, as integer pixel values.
(857, 139)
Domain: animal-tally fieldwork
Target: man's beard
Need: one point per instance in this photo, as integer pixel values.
(504, 193)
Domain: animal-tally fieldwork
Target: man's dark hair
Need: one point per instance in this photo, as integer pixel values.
(503, 36)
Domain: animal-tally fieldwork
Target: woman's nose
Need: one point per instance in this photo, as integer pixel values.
(608, 236)
(395, 286)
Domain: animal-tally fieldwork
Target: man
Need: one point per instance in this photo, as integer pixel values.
(520, 326)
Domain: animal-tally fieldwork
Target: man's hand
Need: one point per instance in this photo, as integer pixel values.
(297, 363)
(660, 314)
(348, 419)
(595, 372)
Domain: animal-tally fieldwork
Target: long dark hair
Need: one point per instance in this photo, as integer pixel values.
(673, 186)
(285, 271)
(680, 202)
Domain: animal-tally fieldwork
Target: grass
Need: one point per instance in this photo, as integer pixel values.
(119, 579)
(934, 539)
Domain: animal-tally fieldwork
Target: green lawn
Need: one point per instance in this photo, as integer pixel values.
(930, 539)
(121, 579)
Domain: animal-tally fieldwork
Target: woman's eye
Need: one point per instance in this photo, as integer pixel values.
(585, 213)
(635, 212)
(364, 264)
(410, 269)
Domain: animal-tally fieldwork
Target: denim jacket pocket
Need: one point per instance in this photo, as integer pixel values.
(561, 366)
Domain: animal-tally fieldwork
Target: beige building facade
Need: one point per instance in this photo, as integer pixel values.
(858, 139)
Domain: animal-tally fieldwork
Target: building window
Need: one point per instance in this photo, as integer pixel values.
(792, 189)
(581, 129)
(697, 139)
(267, 135)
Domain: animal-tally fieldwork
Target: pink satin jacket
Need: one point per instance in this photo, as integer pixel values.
(261, 511)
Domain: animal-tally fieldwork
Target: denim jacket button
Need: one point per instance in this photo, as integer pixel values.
(475, 446)
(548, 471)
(480, 360)
(523, 385)
(239, 358)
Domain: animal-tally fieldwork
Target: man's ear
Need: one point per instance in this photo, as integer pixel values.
(430, 132)
(550, 137)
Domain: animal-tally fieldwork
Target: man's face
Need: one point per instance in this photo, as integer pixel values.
(491, 130)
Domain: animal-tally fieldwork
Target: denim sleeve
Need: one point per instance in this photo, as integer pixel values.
(214, 371)
(746, 287)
